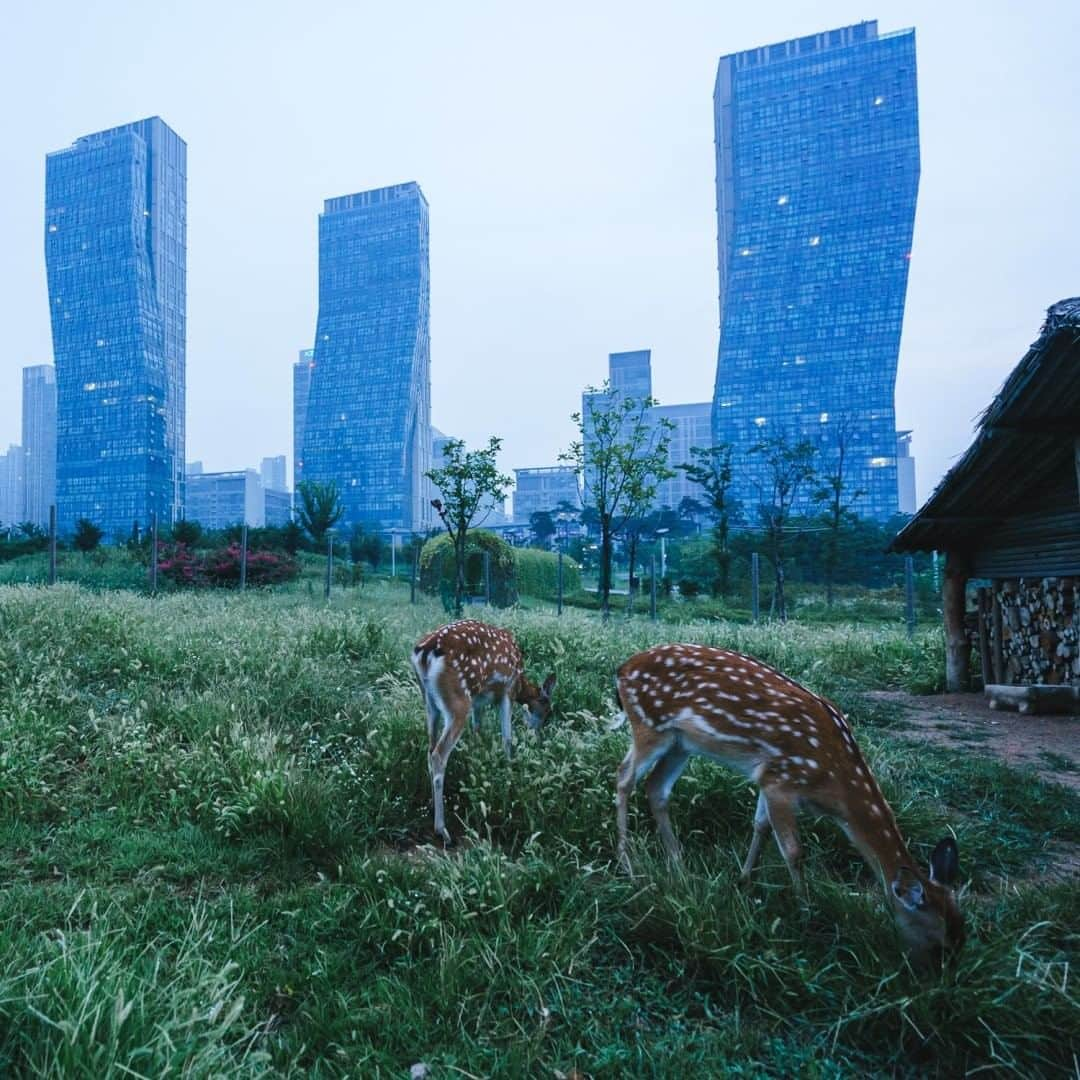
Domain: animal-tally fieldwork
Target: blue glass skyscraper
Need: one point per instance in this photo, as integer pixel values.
(116, 259)
(368, 424)
(817, 172)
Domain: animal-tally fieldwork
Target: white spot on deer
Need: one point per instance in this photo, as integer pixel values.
(814, 741)
(875, 810)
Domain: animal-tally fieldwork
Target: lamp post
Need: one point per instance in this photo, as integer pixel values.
(662, 533)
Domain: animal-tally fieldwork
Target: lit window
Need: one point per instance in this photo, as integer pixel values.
(815, 240)
(878, 462)
(101, 343)
(824, 417)
(52, 228)
(800, 359)
(759, 420)
(782, 201)
(725, 404)
(879, 100)
(744, 251)
(90, 386)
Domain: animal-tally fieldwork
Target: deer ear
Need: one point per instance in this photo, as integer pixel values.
(549, 685)
(945, 862)
(908, 889)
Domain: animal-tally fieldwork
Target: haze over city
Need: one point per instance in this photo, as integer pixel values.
(568, 160)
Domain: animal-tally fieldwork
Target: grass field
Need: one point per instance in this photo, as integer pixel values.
(214, 818)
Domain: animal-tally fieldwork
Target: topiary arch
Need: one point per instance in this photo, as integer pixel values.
(437, 567)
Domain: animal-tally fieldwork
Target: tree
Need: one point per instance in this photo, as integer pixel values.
(320, 508)
(834, 494)
(187, 532)
(292, 536)
(366, 546)
(542, 527)
(622, 452)
(789, 466)
(710, 468)
(466, 479)
(87, 535)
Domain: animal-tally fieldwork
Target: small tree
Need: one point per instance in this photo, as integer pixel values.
(320, 508)
(789, 467)
(835, 494)
(187, 532)
(465, 480)
(87, 535)
(710, 468)
(292, 536)
(622, 452)
(542, 527)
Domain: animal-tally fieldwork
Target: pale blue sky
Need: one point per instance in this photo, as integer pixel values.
(566, 152)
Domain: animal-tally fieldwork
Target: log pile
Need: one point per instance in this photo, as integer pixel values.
(1040, 628)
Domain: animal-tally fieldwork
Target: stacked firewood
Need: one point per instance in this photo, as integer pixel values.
(1040, 628)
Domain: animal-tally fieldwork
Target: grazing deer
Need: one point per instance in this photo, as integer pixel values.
(460, 667)
(797, 747)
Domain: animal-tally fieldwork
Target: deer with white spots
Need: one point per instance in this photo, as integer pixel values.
(683, 700)
(460, 667)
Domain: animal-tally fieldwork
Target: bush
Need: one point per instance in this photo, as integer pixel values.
(537, 573)
(87, 535)
(221, 568)
(437, 570)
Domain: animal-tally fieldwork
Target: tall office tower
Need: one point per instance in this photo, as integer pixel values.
(301, 386)
(11, 487)
(116, 257)
(630, 373)
(817, 172)
(272, 472)
(368, 421)
(544, 489)
(39, 442)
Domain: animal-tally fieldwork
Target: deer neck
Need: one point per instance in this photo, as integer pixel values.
(878, 839)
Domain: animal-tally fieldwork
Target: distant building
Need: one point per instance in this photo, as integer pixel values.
(277, 507)
(491, 511)
(438, 441)
(368, 420)
(272, 471)
(630, 373)
(11, 487)
(115, 256)
(302, 370)
(817, 172)
(541, 489)
(905, 473)
(218, 500)
(193, 468)
(39, 442)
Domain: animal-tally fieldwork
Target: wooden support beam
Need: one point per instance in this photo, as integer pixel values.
(983, 608)
(957, 649)
(1076, 456)
(999, 630)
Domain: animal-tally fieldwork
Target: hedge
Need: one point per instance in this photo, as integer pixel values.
(537, 573)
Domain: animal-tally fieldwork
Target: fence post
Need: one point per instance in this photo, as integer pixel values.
(329, 564)
(755, 586)
(153, 553)
(652, 588)
(52, 544)
(243, 556)
(412, 580)
(487, 578)
(560, 585)
(909, 590)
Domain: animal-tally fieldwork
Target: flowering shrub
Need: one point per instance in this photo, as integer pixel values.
(221, 568)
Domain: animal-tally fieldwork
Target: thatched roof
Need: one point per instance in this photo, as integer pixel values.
(1023, 458)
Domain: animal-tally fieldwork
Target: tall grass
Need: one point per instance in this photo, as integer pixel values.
(210, 807)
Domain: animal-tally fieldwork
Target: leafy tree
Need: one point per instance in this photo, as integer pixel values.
(87, 535)
(320, 508)
(365, 546)
(836, 495)
(292, 537)
(710, 468)
(542, 527)
(622, 452)
(187, 532)
(789, 467)
(466, 479)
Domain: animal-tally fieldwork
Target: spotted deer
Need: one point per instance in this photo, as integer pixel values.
(460, 667)
(683, 700)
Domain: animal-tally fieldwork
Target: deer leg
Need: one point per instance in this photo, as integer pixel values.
(658, 788)
(437, 760)
(781, 809)
(505, 705)
(761, 827)
(625, 779)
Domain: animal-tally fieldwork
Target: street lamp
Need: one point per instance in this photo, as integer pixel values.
(662, 533)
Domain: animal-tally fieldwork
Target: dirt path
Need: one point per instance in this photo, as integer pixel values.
(1048, 744)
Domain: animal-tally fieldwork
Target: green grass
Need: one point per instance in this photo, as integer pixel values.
(210, 807)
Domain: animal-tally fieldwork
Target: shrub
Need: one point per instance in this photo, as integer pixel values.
(537, 573)
(437, 566)
(221, 568)
(87, 535)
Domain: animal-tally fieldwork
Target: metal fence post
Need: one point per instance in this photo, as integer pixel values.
(909, 590)
(652, 588)
(243, 556)
(153, 553)
(560, 583)
(329, 564)
(755, 586)
(487, 578)
(412, 580)
(52, 544)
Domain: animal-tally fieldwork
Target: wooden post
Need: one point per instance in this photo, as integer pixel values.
(153, 553)
(560, 584)
(983, 606)
(957, 649)
(997, 644)
(909, 595)
(487, 578)
(52, 544)
(412, 580)
(755, 585)
(243, 556)
(652, 589)
(329, 565)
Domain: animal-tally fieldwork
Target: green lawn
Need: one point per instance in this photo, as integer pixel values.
(213, 819)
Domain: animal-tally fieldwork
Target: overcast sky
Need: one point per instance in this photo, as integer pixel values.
(566, 151)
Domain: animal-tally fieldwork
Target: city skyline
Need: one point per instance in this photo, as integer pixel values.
(817, 150)
(634, 249)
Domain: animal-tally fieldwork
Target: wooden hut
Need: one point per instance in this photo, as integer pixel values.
(1008, 512)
